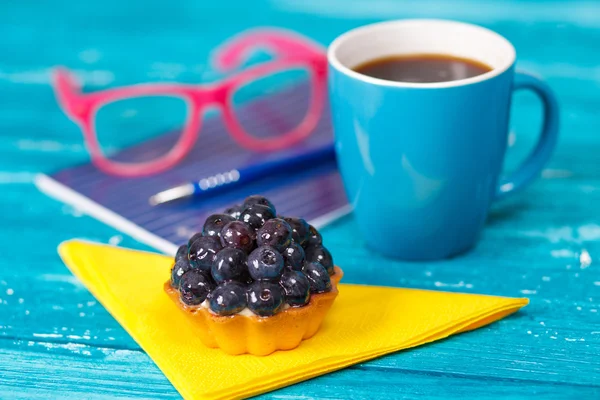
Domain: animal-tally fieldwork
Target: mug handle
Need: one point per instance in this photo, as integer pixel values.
(533, 165)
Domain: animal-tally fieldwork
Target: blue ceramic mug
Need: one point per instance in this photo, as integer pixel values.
(421, 162)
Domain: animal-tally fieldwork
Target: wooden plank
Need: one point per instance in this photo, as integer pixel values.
(57, 342)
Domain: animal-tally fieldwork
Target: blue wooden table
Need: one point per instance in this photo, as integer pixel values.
(57, 342)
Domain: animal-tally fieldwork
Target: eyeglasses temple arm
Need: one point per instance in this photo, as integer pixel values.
(66, 88)
(280, 42)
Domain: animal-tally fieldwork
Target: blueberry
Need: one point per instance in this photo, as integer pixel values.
(314, 238)
(321, 255)
(275, 233)
(214, 224)
(194, 237)
(293, 256)
(234, 211)
(228, 298)
(194, 287)
(317, 276)
(180, 267)
(265, 298)
(256, 199)
(230, 264)
(256, 215)
(265, 263)
(202, 252)
(238, 234)
(182, 252)
(296, 287)
(299, 229)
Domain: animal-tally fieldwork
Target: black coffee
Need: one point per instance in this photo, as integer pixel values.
(422, 68)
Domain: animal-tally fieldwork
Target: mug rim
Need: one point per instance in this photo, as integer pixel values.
(348, 35)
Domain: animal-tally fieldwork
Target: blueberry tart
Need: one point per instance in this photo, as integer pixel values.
(252, 281)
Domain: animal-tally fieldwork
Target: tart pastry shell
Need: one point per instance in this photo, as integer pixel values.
(241, 334)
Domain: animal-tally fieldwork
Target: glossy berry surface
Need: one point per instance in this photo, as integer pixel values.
(317, 276)
(234, 211)
(321, 255)
(228, 298)
(265, 263)
(257, 199)
(296, 287)
(194, 237)
(275, 233)
(230, 264)
(194, 287)
(238, 234)
(299, 229)
(182, 253)
(256, 215)
(265, 298)
(293, 256)
(180, 267)
(314, 238)
(202, 252)
(215, 223)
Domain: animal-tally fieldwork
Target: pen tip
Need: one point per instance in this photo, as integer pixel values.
(175, 193)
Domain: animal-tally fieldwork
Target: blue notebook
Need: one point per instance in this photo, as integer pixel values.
(316, 194)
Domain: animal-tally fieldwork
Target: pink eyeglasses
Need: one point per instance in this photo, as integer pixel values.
(289, 51)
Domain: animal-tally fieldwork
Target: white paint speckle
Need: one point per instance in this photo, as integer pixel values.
(553, 337)
(73, 211)
(536, 335)
(528, 291)
(86, 353)
(469, 286)
(570, 340)
(562, 253)
(576, 274)
(11, 178)
(26, 312)
(47, 335)
(529, 332)
(453, 285)
(61, 278)
(546, 278)
(64, 328)
(48, 146)
(82, 314)
(428, 273)
(79, 305)
(90, 303)
(578, 308)
(57, 308)
(542, 323)
(593, 310)
(556, 173)
(21, 300)
(585, 259)
(90, 56)
(597, 283)
(115, 240)
(589, 232)
(10, 292)
(111, 338)
(131, 112)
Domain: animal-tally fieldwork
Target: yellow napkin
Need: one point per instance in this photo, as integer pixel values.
(364, 322)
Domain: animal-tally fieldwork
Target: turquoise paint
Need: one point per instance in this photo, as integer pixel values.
(59, 343)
